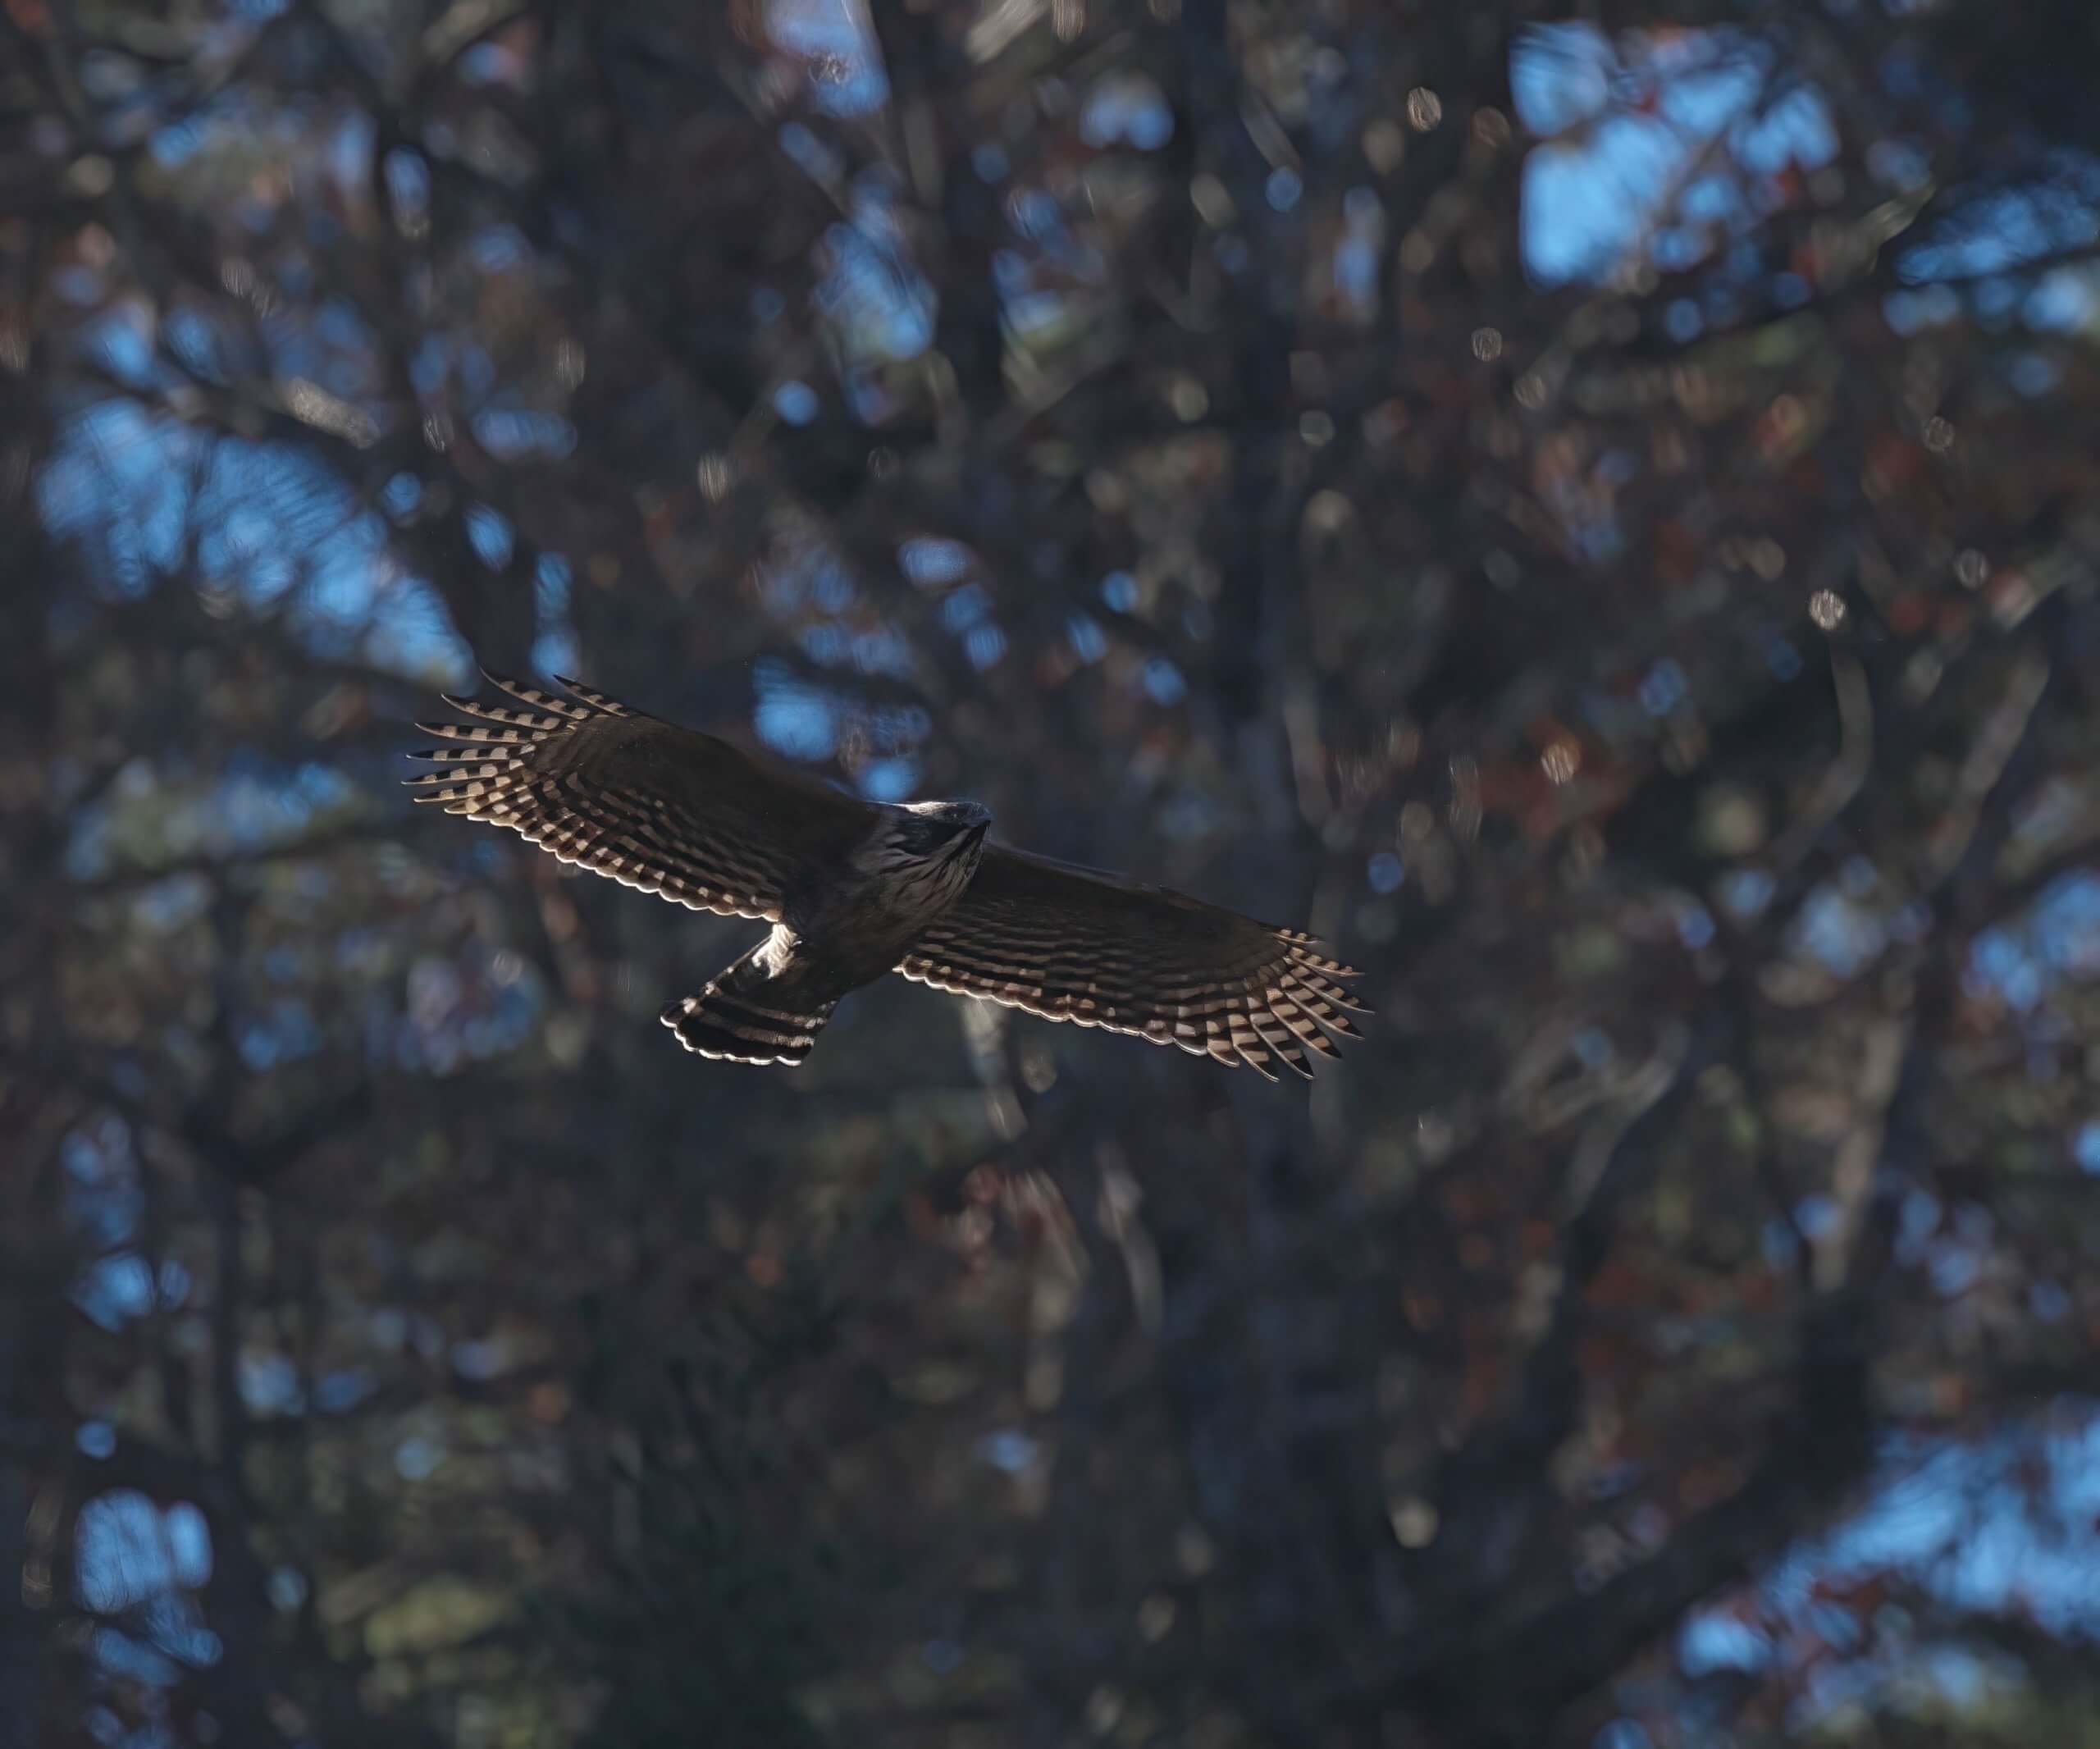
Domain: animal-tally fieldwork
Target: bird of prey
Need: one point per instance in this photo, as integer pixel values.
(854, 889)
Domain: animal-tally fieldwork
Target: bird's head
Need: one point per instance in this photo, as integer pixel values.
(944, 820)
(924, 836)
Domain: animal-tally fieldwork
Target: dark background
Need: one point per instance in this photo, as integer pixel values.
(1596, 518)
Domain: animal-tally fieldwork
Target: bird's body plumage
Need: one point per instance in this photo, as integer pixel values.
(854, 890)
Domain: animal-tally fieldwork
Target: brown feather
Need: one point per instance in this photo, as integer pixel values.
(1069, 943)
(642, 801)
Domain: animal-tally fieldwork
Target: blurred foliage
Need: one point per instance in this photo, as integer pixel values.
(1600, 518)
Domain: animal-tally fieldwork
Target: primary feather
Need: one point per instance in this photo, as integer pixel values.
(856, 888)
(626, 795)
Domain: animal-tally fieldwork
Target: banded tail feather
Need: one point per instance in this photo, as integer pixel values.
(853, 887)
(730, 1028)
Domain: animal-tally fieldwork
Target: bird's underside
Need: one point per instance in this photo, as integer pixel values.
(856, 888)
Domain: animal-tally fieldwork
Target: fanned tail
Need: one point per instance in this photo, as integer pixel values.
(745, 1017)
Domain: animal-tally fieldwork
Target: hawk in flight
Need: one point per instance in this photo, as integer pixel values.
(855, 888)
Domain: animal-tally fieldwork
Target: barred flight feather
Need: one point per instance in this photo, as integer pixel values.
(1067, 943)
(669, 811)
(642, 801)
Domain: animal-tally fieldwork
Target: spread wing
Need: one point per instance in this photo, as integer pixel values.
(1070, 944)
(626, 795)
